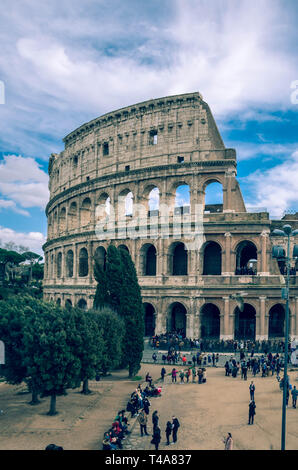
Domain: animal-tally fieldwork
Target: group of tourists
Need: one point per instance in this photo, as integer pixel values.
(171, 430)
(186, 374)
(174, 357)
(140, 405)
(178, 341)
(264, 365)
(117, 433)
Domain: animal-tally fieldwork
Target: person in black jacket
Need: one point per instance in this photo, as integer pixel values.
(251, 412)
(156, 437)
(168, 431)
(155, 419)
(176, 425)
(163, 373)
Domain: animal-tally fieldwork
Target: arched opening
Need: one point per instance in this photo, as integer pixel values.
(245, 323)
(178, 259)
(59, 264)
(83, 263)
(182, 199)
(58, 302)
(123, 247)
(100, 256)
(178, 319)
(149, 319)
(72, 216)
(86, 212)
(245, 254)
(213, 197)
(276, 321)
(69, 263)
(68, 303)
(212, 259)
(153, 201)
(103, 208)
(148, 260)
(210, 321)
(125, 203)
(82, 304)
(62, 220)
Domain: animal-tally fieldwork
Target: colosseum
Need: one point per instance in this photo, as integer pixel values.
(139, 177)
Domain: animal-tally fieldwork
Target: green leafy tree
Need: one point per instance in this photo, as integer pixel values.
(87, 343)
(12, 325)
(56, 366)
(132, 311)
(112, 329)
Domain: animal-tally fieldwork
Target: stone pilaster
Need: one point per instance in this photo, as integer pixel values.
(261, 334)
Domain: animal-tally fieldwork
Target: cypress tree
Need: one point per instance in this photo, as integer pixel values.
(131, 309)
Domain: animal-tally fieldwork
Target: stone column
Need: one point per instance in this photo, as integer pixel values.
(227, 190)
(63, 263)
(227, 324)
(189, 325)
(227, 260)
(264, 262)
(261, 334)
(75, 261)
(90, 261)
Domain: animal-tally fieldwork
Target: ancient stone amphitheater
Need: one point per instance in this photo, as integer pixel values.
(137, 177)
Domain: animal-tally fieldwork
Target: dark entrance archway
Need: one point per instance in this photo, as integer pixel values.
(245, 323)
(179, 260)
(246, 251)
(276, 321)
(178, 319)
(149, 319)
(210, 321)
(212, 259)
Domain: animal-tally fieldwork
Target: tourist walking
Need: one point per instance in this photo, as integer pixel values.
(174, 375)
(251, 412)
(163, 373)
(228, 442)
(181, 375)
(176, 425)
(252, 391)
(142, 419)
(168, 431)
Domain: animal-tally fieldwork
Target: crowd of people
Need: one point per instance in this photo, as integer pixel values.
(178, 341)
(263, 365)
(113, 438)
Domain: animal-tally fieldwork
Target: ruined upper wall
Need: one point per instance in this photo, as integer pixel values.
(148, 134)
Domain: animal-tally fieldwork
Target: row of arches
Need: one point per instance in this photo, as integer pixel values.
(80, 214)
(244, 325)
(211, 253)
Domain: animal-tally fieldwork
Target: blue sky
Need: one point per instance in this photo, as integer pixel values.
(66, 62)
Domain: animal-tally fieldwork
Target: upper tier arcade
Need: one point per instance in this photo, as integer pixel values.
(155, 133)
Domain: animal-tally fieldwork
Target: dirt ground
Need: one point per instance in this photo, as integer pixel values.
(207, 412)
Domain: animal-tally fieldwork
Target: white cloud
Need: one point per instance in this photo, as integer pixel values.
(4, 204)
(32, 240)
(276, 188)
(23, 182)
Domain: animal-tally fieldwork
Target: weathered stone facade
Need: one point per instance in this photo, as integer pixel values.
(123, 156)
